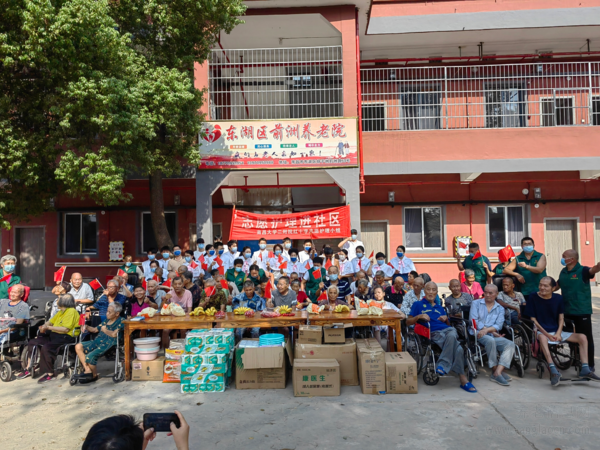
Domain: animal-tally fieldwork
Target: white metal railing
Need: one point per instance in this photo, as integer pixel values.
(281, 83)
(485, 96)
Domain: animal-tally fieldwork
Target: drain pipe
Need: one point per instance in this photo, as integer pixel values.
(359, 103)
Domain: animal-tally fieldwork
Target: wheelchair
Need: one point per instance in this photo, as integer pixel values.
(11, 352)
(117, 376)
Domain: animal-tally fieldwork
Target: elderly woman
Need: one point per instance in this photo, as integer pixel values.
(363, 291)
(212, 296)
(470, 286)
(8, 263)
(61, 288)
(380, 280)
(107, 331)
(332, 299)
(13, 312)
(139, 302)
(333, 275)
(61, 329)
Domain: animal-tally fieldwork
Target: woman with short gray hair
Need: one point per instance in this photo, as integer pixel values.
(8, 264)
(470, 286)
(332, 299)
(60, 330)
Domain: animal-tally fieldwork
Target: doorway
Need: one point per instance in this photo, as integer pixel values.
(561, 235)
(29, 249)
(375, 237)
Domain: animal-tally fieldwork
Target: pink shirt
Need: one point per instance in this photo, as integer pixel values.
(185, 301)
(475, 290)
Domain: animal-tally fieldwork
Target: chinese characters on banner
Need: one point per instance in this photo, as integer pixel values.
(321, 224)
(279, 144)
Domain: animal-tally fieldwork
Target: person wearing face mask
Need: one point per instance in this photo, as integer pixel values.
(177, 260)
(574, 283)
(312, 279)
(479, 264)
(529, 267)
(260, 256)
(197, 272)
(402, 264)
(304, 254)
(361, 262)
(345, 265)
(199, 248)
(151, 253)
(287, 245)
(344, 293)
(209, 258)
(165, 252)
(8, 264)
(381, 266)
(230, 255)
(351, 243)
(130, 268)
(157, 272)
(274, 264)
(294, 264)
(246, 256)
(236, 275)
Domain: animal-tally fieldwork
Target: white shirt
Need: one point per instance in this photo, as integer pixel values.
(303, 256)
(146, 268)
(198, 254)
(228, 258)
(386, 269)
(365, 263)
(404, 265)
(297, 268)
(351, 247)
(260, 258)
(346, 268)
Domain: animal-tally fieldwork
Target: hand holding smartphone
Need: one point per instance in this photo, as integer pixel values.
(161, 422)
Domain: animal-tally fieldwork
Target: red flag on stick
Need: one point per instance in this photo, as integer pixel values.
(283, 265)
(59, 275)
(224, 284)
(279, 259)
(316, 273)
(477, 255)
(372, 254)
(144, 284)
(201, 259)
(210, 291)
(81, 320)
(193, 264)
(156, 278)
(121, 273)
(167, 283)
(328, 263)
(323, 296)
(307, 265)
(505, 254)
(271, 255)
(268, 290)
(95, 284)
(219, 261)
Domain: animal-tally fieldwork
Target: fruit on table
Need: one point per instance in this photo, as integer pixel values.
(210, 311)
(249, 313)
(341, 309)
(283, 309)
(220, 315)
(241, 310)
(199, 311)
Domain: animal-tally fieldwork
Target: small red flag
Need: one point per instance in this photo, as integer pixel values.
(167, 283)
(474, 324)
(279, 259)
(323, 296)
(422, 330)
(201, 259)
(8, 277)
(477, 255)
(59, 275)
(307, 265)
(193, 264)
(271, 255)
(210, 291)
(391, 265)
(283, 265)
(372, 254)
(156, 278)
(224, 284)
(205, 267)
(221, 270)
(268, 290)
(328, 264)
(95, 284)
(81, 320)
(144, 284)
(121, 272)
(219, 261)
(316, 273)
(505, 254)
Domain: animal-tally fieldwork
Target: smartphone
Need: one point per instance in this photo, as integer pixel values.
(161, 422)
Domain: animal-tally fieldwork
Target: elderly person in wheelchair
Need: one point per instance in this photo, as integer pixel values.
(13, 312)
(488, 317)
(90, 351)
(443, 335)
(547, 311)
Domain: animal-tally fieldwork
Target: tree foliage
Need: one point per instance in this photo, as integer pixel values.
(91, 90)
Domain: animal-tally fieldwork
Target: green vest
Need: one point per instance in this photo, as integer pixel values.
(499, 269)
(532, 280)
(261, 273)
(312, 285)
(237, 277)
(4, 285)
(130, 269)
(576, 293)
(478, 266)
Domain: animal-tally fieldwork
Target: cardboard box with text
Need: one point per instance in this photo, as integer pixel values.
(401, 373)
(310, 334)
(261, 367)
(316, 378)
(371, 366)
(148, 370)
(345, 354)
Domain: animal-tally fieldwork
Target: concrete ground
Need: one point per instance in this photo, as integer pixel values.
(527, 415)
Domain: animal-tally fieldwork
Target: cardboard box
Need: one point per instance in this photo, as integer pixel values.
(345, 354)
(371, 366)
(148, 370)
(335, 333)
(261, 367)
(316, 378)
(310, 334)
(400, 373)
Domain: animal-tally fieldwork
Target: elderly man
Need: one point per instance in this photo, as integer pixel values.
(413, 296)
(110, 295)
(283, 295)
(547, 311)
(443, 335)
(13, 311)
(8, 264)
(81, 292)
(488, 316)
(574, 282)
(248, 298)
(155, 294)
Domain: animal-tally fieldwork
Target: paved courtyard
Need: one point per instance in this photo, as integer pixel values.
(527, 415)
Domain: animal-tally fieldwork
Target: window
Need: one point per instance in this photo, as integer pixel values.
(148, 240)
(595, 110)
(80, 234)
(420, 110)
(423, 228)
(218, 232)
(315, 92)
(557, 111)
(373, 116)
(504, 108)
(506, 225)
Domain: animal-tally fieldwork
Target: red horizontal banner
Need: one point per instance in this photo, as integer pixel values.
(321, 224)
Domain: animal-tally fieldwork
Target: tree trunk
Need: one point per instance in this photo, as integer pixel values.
(157, 211)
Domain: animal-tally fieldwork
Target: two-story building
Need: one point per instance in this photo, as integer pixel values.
(430, 119)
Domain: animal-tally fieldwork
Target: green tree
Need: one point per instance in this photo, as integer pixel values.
(92, 90)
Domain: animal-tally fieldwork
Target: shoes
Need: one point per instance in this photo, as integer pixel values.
(45, 379)
(499, 379)
(590, 376)
(554, 379)
(88, 380)
(83, 375)
(23, 375)
(508, 378)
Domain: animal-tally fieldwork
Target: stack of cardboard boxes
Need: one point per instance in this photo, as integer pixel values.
(206, 363)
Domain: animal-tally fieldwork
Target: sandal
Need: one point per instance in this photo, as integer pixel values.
(88, 380)
(468, 387)
(440, 371)
(83, 375)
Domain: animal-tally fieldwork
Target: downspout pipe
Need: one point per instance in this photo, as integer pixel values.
(359, 103)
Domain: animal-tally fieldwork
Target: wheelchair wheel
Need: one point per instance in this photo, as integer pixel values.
(414, 349)
(5, 371)
(522, 341)
(119, 375)
(471, 366)
(430, 377)
(540, 369)
(562, 356)
(73, 381)
(520, 370)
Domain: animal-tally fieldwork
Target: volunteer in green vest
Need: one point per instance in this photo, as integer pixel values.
(8, 264)
(256, 274)
(236, 274)
(310, 282)
(480, 265)
(529, 267)
(129, 267)
(574, 283)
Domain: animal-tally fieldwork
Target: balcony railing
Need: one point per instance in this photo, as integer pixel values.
(486, 96)
(281, 83)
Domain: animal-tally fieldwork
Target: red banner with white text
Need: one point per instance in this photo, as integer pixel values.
(321, 224)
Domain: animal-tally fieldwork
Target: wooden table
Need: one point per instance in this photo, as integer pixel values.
(389, 318)
(241, 321)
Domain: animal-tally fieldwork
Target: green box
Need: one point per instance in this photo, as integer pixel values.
(221, 349)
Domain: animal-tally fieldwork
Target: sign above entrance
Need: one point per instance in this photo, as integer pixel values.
(279, 144)
(320, 224)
